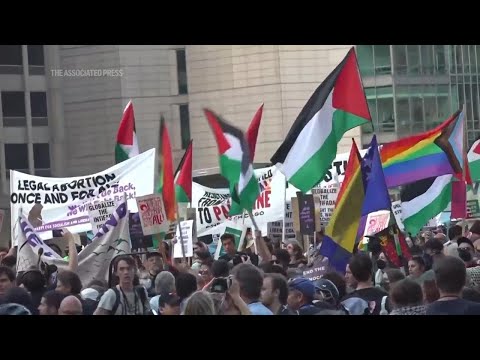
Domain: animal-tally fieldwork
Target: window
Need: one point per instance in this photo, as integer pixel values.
(365, 59)
(430, 103)
(185, 125)
(386, 121)
(11, 59)
(413, 58)
(443, 102)
(13, 108)
(427, 59)
(16, 157)
(38, 102)
(182, 72)
(439, 51)
(36, 62)
(400, 59)
(382, 59)
(41, 158)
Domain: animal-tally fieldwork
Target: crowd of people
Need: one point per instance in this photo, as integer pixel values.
(441, 278)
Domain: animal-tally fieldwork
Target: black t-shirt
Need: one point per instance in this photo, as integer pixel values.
(229, 258)
(454, 307)
(370, 294)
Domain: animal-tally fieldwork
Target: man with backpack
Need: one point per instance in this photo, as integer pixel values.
(125, 298)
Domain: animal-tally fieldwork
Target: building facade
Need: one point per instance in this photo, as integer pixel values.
(57, 119)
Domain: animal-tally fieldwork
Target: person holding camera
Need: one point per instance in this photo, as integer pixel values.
(232, 256)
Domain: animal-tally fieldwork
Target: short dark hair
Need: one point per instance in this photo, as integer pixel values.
(406, 292)
(185, 284)
(339, 281)
(454, 231)
(5, 270)
(220, 268)
(435, 245)
(227, 236)
(127, 258)
(54, 298)
(471, 294)
(17, 295)
(466, 241)
(394, 275)
(250, 280)
(361, 267)
(71, 279)
(9, 260)
(282, 256)
(450, 274)
(279, 282)
(33, 280)
(419, 260)
(269, 268)
(153, 254)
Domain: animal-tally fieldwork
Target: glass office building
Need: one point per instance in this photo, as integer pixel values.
(413, 88)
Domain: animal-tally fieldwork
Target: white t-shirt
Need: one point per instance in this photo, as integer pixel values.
(130, 302)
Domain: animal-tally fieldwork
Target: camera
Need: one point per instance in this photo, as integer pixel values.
(221, 285)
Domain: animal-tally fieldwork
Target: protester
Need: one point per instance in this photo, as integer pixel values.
(17, 295)
(281, 257)
(50, 303)
(9, 261)
(168, 303)
(328, 298)
(250, 281)
(393, 275)
(70, 305)
(68, 283)
(297, 259)
(450, 274)
(361, 267)
(407, 298)
(430, 291)
(7, 279)
(124, 298)
(475, 235)
(450, 247)
(275, 294)
(339, 281)
(164, 284)
(153, 265)
(186, 285)
(350, 280)
(466, 252)
(200, 303)
(301, 295)
(228, 243)
(416, 268)
(471, 294)
(269, 268)
(35, 283)
(205, 273)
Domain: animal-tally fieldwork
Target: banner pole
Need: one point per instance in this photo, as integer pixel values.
(464, 167)
(284, 216)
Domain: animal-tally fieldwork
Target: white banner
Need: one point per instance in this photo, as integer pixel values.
(99, 212)
(213, 205)
(187, 235)
(93, 262)
(397, 212)
(152, 214)
(55, 203)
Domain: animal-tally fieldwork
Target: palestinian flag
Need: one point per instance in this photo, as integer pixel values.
(127, 145)
(252, 131)
(235, 161)
(166, 186)
(423, 200)
(338, 105)
(474, 160)
(183, 177)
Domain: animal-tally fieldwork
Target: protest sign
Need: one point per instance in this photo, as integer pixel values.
(238, 232)
(317, 270)
(55, 203)
(152, 214)
(138, 238)
(376, 222)
(99, 212)
(187, 235)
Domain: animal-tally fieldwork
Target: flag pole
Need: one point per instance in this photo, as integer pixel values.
(284, 216)
(464, 167)
(255, 226)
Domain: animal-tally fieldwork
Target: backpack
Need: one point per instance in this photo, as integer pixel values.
(356, 306)
(139, 290)
(90, 305)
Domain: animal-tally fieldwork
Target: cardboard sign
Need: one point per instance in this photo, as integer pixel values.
(306, 213)
(187, 231)
(317, 270)
(137, 237)
(376, 222)
(238, 231)
(152, 214)
(100, 212)
(473, 210)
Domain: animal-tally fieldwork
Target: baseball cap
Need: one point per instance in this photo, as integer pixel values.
(328, 288)
(89, 293)
(303, 285)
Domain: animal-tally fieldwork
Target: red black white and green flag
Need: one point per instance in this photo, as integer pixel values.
(235, 161)
(183, 177)
(127, 145)
(336, 106)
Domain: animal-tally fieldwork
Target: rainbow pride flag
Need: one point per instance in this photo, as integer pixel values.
(433, 153)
